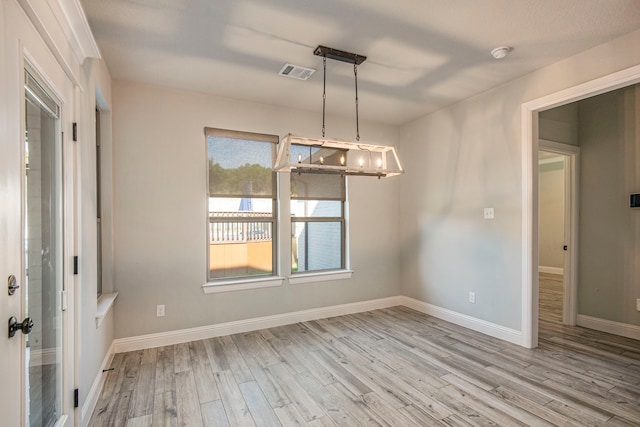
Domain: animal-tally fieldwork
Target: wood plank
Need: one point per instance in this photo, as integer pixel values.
(273, 391)
(165, 413)
(298, 396)
(330, 404)
(260, 409)
(213, 414)
(142, 400)
(205, 382)
(217, 356)
(181, 357)
(234, 404)
(165, 369)
(143, 421)
(237, 364)
(289, 416)
(187, 406)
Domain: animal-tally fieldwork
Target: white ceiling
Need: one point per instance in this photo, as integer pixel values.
(422, 54)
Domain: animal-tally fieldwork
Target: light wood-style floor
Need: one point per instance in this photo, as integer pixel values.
(386, 367)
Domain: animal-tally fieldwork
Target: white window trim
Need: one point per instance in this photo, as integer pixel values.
(243, 284)
(322, 276)
(105, 304)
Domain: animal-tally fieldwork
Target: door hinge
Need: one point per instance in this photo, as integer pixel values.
(75, 131)
(63, 300)
(75, 265)
(76, 398)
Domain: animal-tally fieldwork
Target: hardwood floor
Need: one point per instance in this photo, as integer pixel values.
(392, 367)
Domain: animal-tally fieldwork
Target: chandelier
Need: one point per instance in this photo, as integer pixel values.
(302, 154)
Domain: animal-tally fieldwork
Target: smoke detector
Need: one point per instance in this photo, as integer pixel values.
(296, 72)
(501, 52)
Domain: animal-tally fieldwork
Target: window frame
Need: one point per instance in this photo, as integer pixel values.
(320, 219)
(219, 284)
(325, 191)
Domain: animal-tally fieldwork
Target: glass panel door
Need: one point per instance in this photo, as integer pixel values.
(43, 254)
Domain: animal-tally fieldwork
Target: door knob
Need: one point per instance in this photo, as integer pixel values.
(26, 326)
(12, 284)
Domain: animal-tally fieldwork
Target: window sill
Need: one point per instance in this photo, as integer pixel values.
(105, 303)
(241, 285)
(324, 276)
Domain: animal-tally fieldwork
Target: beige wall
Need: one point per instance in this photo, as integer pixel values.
(609, 231)
(551, 213)
(467, 157)
(160, 220)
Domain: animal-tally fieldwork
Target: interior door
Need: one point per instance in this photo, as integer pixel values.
(36, 228)
(42, 275)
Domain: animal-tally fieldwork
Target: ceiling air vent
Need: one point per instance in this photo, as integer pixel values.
(296, 72)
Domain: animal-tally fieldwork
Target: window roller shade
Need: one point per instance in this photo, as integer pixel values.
(317, 187)
(240, 164)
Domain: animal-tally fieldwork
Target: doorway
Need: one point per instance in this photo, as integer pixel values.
(531, 143)
(557, 232)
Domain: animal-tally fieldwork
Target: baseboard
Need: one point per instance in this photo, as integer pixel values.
(551, 270)
(609, 326)
(488, 328)
(91, 400)
(193, 334)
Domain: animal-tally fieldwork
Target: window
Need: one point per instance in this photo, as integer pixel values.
(98, 206)
(317, 214)
(242, 226)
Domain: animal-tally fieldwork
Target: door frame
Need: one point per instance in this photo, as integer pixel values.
(529, 161)
(571, 155)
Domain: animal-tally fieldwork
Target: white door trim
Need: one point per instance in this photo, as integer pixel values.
(571, 187)
(529, 129)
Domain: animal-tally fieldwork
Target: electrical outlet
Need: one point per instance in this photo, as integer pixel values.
(160, 310)
(488, 213)
(472, 297)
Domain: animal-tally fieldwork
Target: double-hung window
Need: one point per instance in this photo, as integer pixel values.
(318, 230)
(242, 204)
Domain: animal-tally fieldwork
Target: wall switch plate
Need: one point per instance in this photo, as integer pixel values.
(488, 213)
(160, 310)
(472, 297)
(638, 304)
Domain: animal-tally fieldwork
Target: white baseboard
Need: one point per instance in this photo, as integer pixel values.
(488, 328)
(609, 326)
(91, 400)
(203, 332)
(551, 270)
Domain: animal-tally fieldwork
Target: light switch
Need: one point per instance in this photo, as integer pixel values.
(488, 213)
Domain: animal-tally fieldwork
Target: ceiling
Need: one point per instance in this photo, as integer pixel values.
(422, 54)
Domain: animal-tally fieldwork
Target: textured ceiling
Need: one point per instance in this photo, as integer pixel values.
(422, 54)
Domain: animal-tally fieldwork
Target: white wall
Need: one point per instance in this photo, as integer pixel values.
(551, 214)
(160, 218)
(467, 157)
